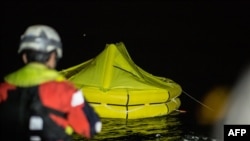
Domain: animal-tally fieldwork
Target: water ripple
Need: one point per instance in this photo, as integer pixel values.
(166, 128)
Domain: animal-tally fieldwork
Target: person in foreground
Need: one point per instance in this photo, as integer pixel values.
(39, 104)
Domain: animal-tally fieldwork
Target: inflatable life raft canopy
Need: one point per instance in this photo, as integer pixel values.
(117, 88)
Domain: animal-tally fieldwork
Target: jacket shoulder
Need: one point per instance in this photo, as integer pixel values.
(54, 92)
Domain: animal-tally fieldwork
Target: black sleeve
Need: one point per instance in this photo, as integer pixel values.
(92, 117)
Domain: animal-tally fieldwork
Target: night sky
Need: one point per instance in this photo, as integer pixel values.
(199, 45)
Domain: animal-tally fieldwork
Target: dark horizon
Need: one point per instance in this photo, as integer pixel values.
(199, 45)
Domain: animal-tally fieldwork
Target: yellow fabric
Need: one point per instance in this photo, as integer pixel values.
(33, 74)
(112, 78)
(114, 69)
(69, 130)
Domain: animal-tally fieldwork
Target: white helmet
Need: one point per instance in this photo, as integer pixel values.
(41, 38)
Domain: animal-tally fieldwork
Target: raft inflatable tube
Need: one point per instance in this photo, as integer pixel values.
(131, 104)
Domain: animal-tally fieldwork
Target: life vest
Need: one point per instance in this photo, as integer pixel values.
(32, 117)
(23, 117)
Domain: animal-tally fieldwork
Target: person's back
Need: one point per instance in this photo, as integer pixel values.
(36, 102)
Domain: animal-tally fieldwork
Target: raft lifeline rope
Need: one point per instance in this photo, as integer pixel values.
(204, 105)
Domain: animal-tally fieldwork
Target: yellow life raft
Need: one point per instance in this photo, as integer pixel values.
(117, 88)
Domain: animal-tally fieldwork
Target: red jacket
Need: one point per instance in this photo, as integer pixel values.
(54, 93)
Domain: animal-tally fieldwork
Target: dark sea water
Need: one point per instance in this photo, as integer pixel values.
(173, 127)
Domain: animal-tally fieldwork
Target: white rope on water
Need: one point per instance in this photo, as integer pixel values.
(204, 105)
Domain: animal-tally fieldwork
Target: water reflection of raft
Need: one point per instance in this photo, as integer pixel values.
(117, 88)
